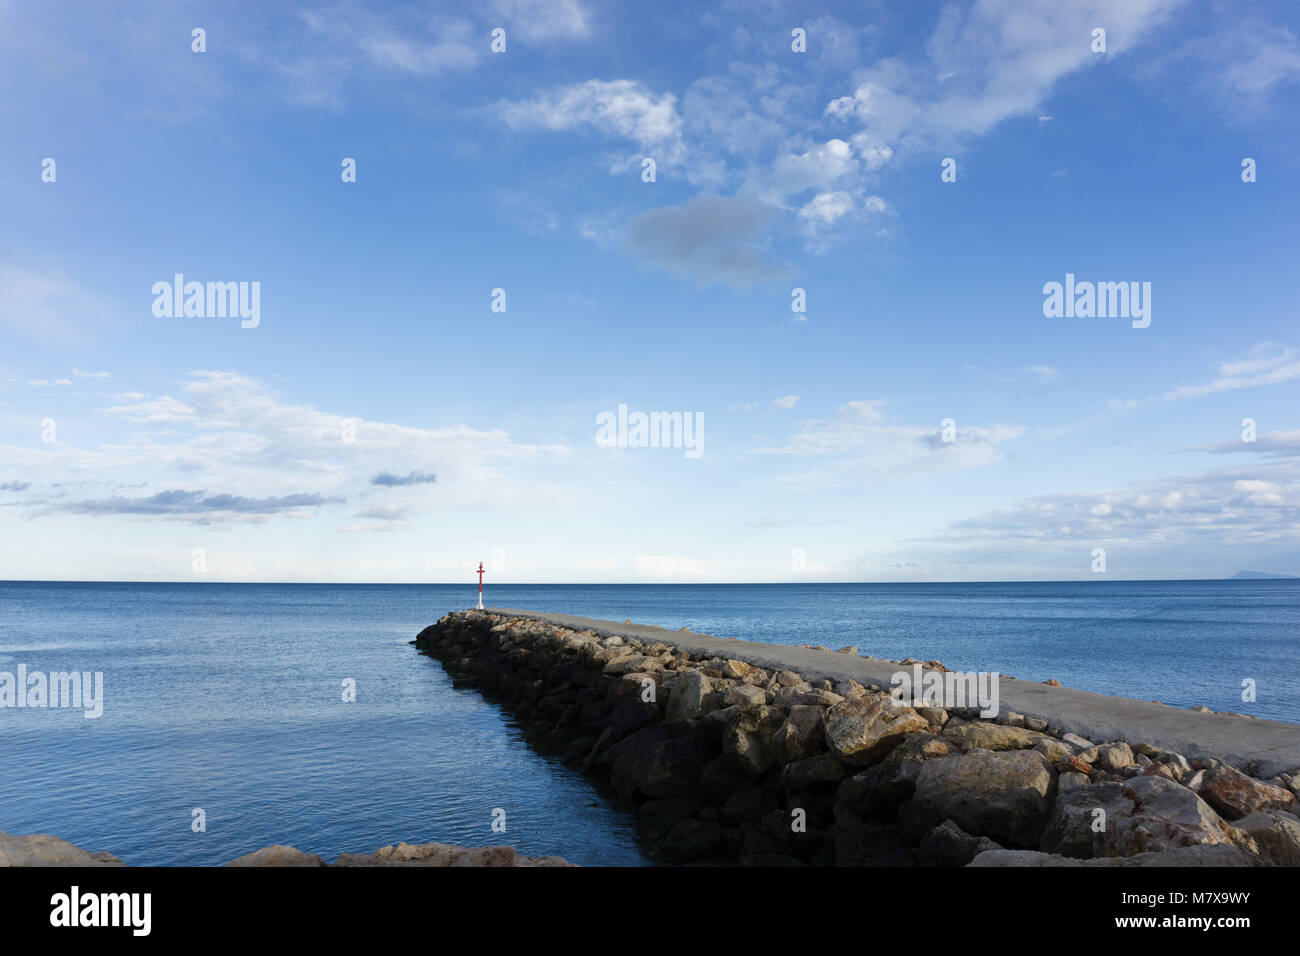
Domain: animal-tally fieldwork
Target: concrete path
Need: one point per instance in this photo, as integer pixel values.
(1273, 746)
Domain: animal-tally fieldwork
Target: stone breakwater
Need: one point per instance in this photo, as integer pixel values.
(41, 849)
(727, 760)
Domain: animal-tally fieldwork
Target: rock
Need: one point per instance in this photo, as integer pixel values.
(280, 855)
(950, 845)
(1074, 765)
(1114, 757)
(811, 773)
(1274, 837)
(744, 739)
(800, 735)
(865, 730)
(1053, 749)
(934, 716)
(625, 663)
(849, 688)
(1189, 856)
(41, 849)
(1236, 795)
(990, 736)
(787, 695)
(745, 695)
(747, 803)
(443, 855)
(1077, 742)
(1158, 770)
(871, 844)
(1005, 796)
(1036, 723)
(719, 780)
(1070, 780)
(746, 752)
(1074, 828)
(817, 697)
(848, 649)
(692, 840)
(654, 764)
(1165, 814)
(686, 701)
(734, 670)
(657, 817)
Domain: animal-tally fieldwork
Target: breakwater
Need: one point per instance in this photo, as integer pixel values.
(775, 755)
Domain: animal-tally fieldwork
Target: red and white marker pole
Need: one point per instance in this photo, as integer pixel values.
(480, 585)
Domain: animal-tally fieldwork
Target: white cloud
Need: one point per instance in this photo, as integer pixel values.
(233, 448)
(861, 440)
(1266, 364)
(1228, 507)
(997, 60)
(825, 208)
(789, 401)
(538, 20)
(623, 108)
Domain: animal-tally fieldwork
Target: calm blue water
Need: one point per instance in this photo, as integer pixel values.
(228, 697)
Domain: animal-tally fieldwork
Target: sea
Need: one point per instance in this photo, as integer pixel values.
(236, 716)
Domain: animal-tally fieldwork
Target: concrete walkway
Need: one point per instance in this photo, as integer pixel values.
(1273, 746)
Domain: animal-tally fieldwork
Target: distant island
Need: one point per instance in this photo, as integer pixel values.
(1259, 576)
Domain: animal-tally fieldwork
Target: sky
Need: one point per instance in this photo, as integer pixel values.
(476, 232)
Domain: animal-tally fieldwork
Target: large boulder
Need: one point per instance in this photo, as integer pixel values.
(1235, 795)
(686, 701)
(864, 730)
(950, 845)
(657, 817)
(41, 849)
(1165, 815)
(799, 736)
(989, 736)
(1274, 837)
(655, 764)
(281, 855)
(631, 714)
(1114, 757)
(1075, 828)
(1004, 796)
(812, 773)
(878, 790)
(744, 740)
(692, 840)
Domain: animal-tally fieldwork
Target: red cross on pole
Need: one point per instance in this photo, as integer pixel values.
(480, 585)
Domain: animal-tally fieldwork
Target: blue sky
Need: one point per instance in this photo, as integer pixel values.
(193, 443)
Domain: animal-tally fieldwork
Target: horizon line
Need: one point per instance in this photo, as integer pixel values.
(1270, 576)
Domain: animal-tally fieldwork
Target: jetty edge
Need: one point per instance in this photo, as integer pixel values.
(763, 754)
(43, 850)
